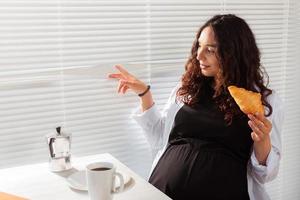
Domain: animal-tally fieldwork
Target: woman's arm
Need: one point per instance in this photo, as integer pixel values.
(148, 116)
(153, 122)
(146, 101)
(261, 128)
(265, 158)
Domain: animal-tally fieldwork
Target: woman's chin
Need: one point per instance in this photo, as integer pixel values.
(207, 73)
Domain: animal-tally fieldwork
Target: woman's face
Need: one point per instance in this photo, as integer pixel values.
(207, 53)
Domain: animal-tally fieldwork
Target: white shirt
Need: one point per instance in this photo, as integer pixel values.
(157, 127)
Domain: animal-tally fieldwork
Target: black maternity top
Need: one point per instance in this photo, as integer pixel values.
(205, 158)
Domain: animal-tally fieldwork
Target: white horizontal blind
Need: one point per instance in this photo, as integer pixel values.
(47, 48)
(290, 173)
(104, 33)
(30, 105)
(41, 38)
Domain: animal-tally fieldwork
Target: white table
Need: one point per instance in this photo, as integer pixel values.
(37, 182)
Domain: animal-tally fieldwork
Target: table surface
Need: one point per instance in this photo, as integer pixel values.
(38, 182)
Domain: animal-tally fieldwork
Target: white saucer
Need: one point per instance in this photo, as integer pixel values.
(77, 180)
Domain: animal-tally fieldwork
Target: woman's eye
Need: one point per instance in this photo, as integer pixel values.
(210, 50)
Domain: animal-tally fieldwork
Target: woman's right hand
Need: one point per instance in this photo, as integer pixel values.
(127, 81)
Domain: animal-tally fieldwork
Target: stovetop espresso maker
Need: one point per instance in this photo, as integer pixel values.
(59, 145)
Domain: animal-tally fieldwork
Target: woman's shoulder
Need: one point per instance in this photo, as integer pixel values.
(173, 95)
(175, 89)
(276, 103)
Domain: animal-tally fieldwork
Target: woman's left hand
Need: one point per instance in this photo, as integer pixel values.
(261, 129)
(260, 126)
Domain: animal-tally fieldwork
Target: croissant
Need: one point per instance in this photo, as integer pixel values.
(249, 102)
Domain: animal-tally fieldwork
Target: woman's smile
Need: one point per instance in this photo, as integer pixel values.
(202, 66)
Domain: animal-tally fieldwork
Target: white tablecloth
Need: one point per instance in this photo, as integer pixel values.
(37, 182)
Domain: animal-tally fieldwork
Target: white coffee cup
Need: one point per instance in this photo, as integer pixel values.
(101, 180)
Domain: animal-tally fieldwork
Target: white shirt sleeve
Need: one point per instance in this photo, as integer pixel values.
(268, 172)
(153, 121)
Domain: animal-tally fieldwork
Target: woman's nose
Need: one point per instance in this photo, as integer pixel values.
(200, 55)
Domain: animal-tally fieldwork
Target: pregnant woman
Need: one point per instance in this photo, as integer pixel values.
(205, 147)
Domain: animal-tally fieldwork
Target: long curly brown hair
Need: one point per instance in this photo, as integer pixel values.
(239, 59)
